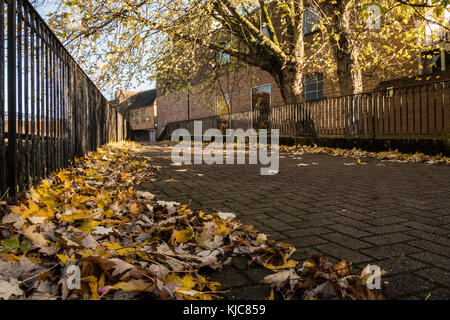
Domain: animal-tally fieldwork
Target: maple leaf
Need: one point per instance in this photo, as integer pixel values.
(135, 285)
(181, 236)
(7, 289)
(36, 238)
(102, 230)
(287, 265)
(21, 270)
(226, 215)
(120, 266)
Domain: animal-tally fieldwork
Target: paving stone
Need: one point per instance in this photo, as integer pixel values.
(256, 292)
(257, 274)
(287, 218)
(346, 241)
(354, 232)
(434, 259)
(351, 222)
(259, 216)
(424, 227)
(312, 223)
(386, 221)
(228, 277)
(388, 238)
(392, 250)
(306, 241)
(240, 263)
(436, 275)
(442, 240)
(351, 214)
(392, 228)
(399, 264)
(340, 252)
(277, 236)
(431, 247)
(322, 216)
(404, 284)
(306, 232)
(302, 254)
(276, 224)
(436, 294)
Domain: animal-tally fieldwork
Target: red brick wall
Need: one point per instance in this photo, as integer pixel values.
(173, 107)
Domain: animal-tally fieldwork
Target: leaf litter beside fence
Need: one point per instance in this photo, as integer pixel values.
(391, 155)
(127, 245)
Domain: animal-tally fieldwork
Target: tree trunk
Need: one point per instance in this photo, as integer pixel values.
(347, 67)
(290, 81)
(345, 51)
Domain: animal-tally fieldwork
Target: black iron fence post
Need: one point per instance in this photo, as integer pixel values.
(50, 111)
(12, 142)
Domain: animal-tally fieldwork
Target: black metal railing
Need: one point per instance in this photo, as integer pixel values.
(50, 111)
(420, 111)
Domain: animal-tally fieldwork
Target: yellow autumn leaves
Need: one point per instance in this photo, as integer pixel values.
(392, 156)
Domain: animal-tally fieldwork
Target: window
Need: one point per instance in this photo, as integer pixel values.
(137, 117)
(313, 87)
(265, 31)
(431, 61)
(223, 104)
(223, 58)
(144, 119)
(261, 98)
(310, 19)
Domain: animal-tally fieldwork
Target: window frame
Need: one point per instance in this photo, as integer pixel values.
(266, 32)
(426, 65)
(221, 61)
(313, 25)
(223, 97)
(317, 90)
(136, 117)
(270, 95)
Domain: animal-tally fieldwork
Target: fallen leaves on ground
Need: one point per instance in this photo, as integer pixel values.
(393, 156)
(318, 279)
(125, 244)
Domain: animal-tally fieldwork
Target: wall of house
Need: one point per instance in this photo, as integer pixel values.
(149, 115)
(202, 101)
(171, 107)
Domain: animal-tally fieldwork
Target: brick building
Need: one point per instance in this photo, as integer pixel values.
(253, 88)
(140, 108)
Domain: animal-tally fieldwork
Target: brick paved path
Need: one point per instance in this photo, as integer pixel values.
(394, 215)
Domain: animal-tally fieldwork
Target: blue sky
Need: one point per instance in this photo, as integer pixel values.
(50, 6)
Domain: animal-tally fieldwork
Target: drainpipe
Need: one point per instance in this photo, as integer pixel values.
(188, 105)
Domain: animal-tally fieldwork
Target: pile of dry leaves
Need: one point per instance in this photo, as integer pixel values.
(393, 156)
(87, 233)
(317, 279)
